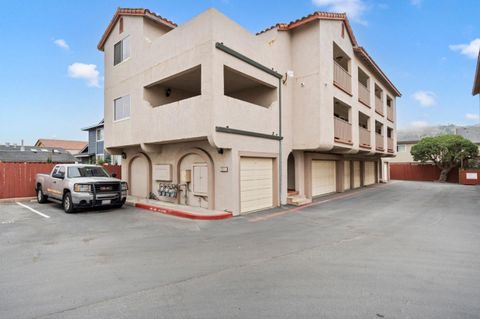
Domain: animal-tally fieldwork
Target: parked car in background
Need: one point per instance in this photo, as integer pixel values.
(81, 186)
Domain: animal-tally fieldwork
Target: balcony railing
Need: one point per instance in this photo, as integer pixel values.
(364, 136)
(378, 105)
(363, 94)
(342, 78)
(342, 130)
(390, 113)
(379, 142)
(390, 144)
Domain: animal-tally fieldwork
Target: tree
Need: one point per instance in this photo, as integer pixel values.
(445, 151)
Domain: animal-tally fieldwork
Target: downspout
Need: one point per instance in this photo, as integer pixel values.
(280, 141)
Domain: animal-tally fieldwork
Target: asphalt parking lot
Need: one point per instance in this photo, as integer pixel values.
(402, 250)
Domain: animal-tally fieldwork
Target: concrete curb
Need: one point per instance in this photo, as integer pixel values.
(18, 199)
(182, 214)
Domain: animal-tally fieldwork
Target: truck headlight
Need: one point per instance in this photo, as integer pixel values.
(124, 186)
(82, 187)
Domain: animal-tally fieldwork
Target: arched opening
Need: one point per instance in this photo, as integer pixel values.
(195, 176)
(291, 174)
(140, 176)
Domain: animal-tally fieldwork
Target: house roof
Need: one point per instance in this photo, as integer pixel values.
(133, 12)
(476, 80)
(65, 144)
(34, 154)
(359, 51)
(91, 127)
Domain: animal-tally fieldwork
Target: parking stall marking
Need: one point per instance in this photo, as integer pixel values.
(33, 210)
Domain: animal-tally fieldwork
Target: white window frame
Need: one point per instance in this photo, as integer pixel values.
(399, 146)
(121, 98)
(96, 134)
(125, 45)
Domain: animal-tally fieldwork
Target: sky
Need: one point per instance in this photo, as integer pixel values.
(51, 73)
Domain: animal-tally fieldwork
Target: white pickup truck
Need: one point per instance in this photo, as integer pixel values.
(80, 186)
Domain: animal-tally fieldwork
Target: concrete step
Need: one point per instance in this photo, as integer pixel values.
(298, 200)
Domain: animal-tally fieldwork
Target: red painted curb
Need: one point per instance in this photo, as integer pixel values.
(182, 214)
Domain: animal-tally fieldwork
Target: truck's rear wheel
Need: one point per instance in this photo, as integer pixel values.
(40, 197)
(67, 203)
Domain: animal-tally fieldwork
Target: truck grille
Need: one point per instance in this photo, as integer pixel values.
(107, 187)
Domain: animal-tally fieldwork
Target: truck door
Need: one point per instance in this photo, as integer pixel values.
(56, 188)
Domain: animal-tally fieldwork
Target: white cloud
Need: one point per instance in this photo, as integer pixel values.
(353, 8)
(470, 50)
(87, 72)
(425, 98)
(62, 44)
(416, 3)
(418, 124)
(472, 116)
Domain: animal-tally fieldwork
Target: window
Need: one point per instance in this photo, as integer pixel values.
(99, 134)
(121, 51)
(121, 108)
(401, 148)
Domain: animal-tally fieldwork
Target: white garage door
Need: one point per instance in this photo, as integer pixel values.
(369, 173)
(139, 177)
(323, 177)
(346, 175)
(356, 174)
(256, 183)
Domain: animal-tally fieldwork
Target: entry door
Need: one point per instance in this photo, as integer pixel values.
(356, 174)
(323, 177)
(369, 173)
(256, 183)
(346, 175)
(139, 177)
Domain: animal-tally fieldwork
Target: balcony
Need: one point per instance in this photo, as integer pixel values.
(341, 78)
(342, 131)
(390, 113)
(390, 144)
(363, 94)
(378, 105)
(364, 136)
(379, 142)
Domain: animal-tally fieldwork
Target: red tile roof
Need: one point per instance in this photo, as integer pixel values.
(360, 51)
(133, 12)
(65, 144)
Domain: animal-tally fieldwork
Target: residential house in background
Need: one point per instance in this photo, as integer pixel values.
(73, 147)
(94, 151)
(240, 122)
(476, 79)
(22, 154)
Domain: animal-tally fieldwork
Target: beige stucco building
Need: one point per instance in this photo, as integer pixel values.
(241, 122)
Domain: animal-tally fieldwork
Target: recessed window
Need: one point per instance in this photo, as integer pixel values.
(121, 51)
(180, 86)
(121, 108)
(246, 88)
(401, 148)
(99, 134)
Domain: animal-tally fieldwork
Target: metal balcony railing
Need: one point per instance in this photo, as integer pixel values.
(379, 142)
(378, 105)
(342, 130)
(342, 78)
(364, 136)
(363, 94)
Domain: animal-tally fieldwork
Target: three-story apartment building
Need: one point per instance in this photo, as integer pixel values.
(239, 122)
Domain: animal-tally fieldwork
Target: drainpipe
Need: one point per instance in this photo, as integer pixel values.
(280, 141)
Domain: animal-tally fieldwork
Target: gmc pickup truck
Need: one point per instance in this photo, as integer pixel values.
(80, 186)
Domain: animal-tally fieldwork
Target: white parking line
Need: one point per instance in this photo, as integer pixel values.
(33, 210)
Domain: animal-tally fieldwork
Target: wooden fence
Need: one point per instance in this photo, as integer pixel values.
(419, 172)
(18, 179)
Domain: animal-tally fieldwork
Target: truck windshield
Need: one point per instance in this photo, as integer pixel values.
(86, 171)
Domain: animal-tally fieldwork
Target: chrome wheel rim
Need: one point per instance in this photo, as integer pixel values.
(67, 203)
(39, 195)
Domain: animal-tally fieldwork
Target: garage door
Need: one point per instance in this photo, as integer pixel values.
(356, 174)
(139, 177)
(323, 177)
(256, 183)
(346, 175)
(369, 173)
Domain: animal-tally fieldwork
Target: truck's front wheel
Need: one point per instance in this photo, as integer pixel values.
(67, 203)
(40, 197)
